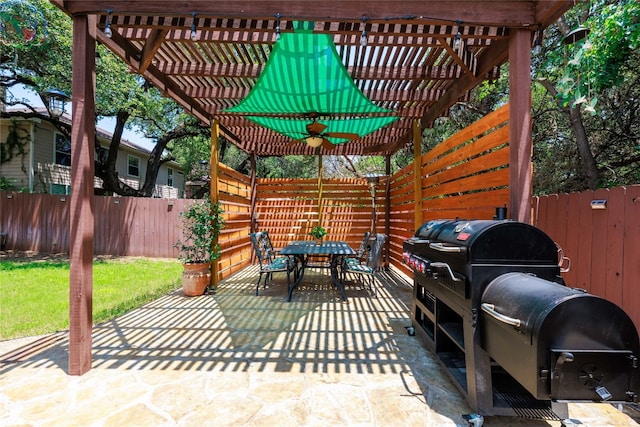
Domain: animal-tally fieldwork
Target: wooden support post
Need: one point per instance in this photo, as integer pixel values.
(320, 189)
(214, 195)
(387, 211)
(520, 144)
(254, 193)
(81, 200)
(417, 173)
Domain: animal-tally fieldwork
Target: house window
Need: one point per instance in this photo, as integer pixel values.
(170, 177)
(63, 150)
(133, 166)
(101, 155)
(60, 189)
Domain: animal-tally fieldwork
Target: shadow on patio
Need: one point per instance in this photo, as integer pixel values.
(235, 330)
(247, 358)
(234, 358)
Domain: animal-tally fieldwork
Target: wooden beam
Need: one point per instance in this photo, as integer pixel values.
(150, 48)
(418, 32)
(426, 95)
(460, 55)
(520, 144)
(194, 69)
(81, 198)
(131, 55)
(495, 12)
(496, 54)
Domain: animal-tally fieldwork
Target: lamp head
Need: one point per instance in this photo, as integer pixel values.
(57, 101)
(576, 35)
(373, 180)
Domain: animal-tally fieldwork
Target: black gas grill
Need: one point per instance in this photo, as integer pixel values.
(490, 302)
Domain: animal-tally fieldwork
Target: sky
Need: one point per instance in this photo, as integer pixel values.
(106, 124)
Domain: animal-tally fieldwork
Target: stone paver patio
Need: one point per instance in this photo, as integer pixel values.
(234, 359)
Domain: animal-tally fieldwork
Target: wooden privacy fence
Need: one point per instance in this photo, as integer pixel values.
(235, 196)
(126, 226)
(465, 176)
(602, 244)
(288, 209)
(123, 225)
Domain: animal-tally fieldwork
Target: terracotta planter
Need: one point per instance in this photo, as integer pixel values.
(196, 278)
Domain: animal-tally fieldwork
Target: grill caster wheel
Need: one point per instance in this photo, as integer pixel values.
(474, 420)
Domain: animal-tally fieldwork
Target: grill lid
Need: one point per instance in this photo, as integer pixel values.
(491, 241)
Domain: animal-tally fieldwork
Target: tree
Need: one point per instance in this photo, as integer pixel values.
(129, 98)
(586, 96)
(578, 76)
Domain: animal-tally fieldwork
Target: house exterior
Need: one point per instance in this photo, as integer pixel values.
(36, 158)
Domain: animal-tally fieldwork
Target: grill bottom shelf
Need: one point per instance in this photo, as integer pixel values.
(454, 362)
(509, 393)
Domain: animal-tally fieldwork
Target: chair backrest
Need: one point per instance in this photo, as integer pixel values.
(260, 247)
(375, 254)
(364, 245)
(269, 245)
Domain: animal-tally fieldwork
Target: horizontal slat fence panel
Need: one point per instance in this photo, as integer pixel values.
(465, 176)
(401, 220)
(602, 244)
(288, 209)
(235, 197)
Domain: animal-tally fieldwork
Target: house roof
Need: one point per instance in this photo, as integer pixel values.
(411, 63)
(100, 133)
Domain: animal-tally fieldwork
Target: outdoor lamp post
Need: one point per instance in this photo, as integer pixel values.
(373, 181)
(57, 101)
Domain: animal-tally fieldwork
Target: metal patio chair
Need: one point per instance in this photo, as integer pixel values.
(367, 268)
(363, 250)
(269, 263)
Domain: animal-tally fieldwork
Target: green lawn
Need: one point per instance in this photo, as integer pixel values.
(34, 295)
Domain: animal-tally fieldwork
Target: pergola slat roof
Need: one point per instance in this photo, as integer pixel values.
(410, 64)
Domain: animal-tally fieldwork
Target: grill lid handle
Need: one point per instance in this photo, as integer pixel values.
(444, 248)
(446, 266)
(490, 309)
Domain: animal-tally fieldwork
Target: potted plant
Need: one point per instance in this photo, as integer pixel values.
(201, 223)
(318, 232)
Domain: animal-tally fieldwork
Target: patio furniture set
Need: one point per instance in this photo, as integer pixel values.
(337, 256)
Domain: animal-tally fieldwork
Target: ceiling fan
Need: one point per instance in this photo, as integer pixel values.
(316, 136)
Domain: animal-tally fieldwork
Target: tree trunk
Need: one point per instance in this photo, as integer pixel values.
(589, 167)
(582, 141)
(107, 171)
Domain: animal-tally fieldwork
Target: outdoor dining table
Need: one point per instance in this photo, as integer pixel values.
(304, 250)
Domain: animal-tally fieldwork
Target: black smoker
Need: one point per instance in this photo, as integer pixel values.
(490, 302)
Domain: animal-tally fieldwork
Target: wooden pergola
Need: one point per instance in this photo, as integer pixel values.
(420, 58)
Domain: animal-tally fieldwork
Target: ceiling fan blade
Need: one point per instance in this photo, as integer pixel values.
(327, 145)
(315, 128)
(342, 135)
(295, 141)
